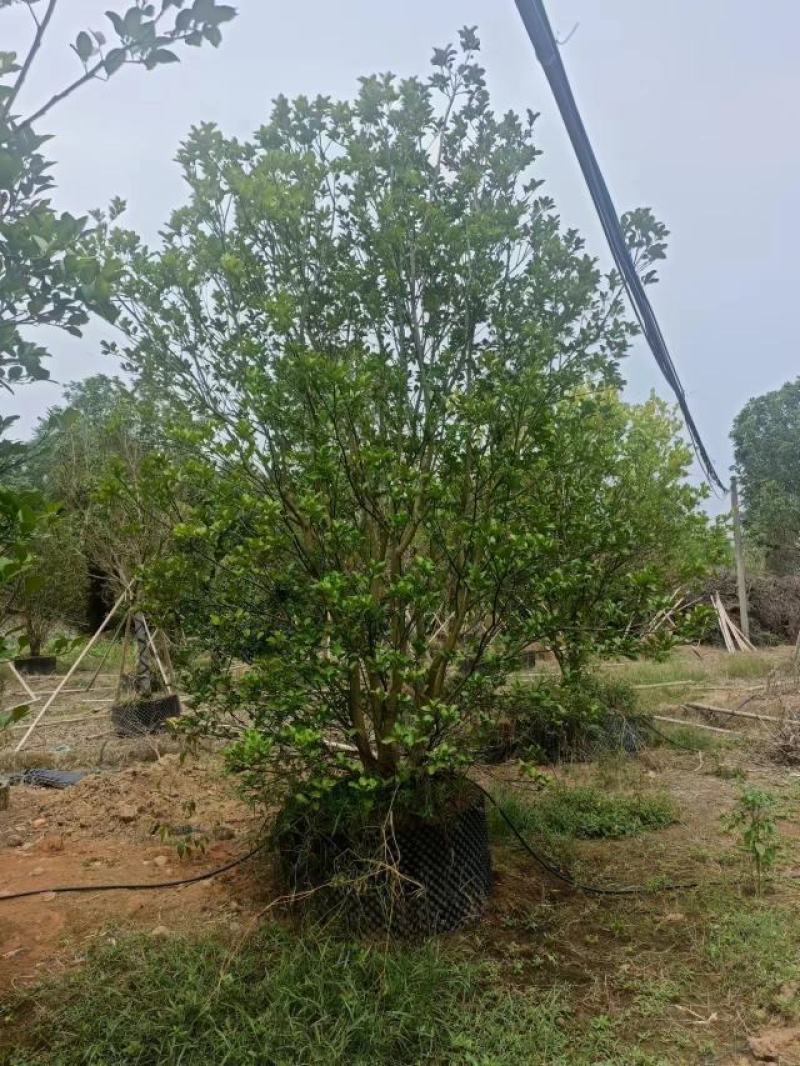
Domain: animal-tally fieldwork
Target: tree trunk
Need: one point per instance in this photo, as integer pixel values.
(143, 681)
(34, 641)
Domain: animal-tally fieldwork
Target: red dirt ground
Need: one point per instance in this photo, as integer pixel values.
(101, 831)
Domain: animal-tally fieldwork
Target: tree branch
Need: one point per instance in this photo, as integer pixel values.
(41, 28)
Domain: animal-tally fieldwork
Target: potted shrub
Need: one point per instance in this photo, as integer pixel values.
(376, 328)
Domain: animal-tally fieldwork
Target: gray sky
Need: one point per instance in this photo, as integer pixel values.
(691, 108)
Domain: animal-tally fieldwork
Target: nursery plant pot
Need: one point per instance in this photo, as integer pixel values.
(37, 664)
(433, 876)
(136, 718)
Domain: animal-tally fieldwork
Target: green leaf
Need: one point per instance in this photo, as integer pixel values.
(213, 34)
(114, 60)
(10, 169)
(84, 46)
(163, 55)
(116, 22)
(221, 13)
(16, 714)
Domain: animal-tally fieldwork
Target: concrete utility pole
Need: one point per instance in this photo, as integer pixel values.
(738, 549)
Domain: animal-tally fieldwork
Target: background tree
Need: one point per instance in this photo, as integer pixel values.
(766, 438)
(377, 324)
(97, 454)
(631, 536)
(52, 591)
(51, 270)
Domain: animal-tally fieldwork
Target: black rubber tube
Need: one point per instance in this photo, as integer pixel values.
(137, 888)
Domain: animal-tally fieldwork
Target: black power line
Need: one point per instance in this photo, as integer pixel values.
(540, 32)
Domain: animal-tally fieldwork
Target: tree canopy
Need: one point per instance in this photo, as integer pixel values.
(394, 362)
(766, 438)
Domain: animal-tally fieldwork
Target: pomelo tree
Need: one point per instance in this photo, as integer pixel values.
(384, 339)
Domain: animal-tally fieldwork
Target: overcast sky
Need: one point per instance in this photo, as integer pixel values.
(691, 107)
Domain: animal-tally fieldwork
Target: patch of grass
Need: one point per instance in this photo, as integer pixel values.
(283, 1000)
(685, 736)
(278, 999)
(654, 672)
(112, 650)
(584, 813)
(753, 947)
(748, 665)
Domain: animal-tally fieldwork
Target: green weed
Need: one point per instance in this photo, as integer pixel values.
(754, 822)
(584, 813)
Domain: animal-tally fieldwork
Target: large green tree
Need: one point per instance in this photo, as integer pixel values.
(766, 439)
(386, 340)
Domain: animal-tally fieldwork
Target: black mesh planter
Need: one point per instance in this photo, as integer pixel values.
(411, 875)
(37, 664)
(141, 717)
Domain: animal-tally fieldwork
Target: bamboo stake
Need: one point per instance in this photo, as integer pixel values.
(738, 548)
(106, 654)
(23, 682)
(695, 725)
(124, 656)
(71, 670)
(151, 642)
(60, 721)
(706, 708)
(669, 684)
(167, 656)
(723, 625)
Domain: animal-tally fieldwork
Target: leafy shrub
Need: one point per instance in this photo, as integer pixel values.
(549, 720)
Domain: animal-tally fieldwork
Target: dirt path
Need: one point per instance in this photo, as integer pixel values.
(101, 831)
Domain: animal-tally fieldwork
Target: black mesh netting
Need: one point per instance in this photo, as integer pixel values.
(41, 777)
(138, 717)
(37, 664)
(426, 877)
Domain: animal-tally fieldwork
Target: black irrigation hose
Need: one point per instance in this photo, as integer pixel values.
(561, 875)
(138, 888)
(568, 879)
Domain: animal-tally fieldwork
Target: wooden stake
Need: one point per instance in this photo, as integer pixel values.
(167, 656)
(706, 708)
(71, 670)
(124, 655)
(23, 682)
(93, 717)
(695, 725)
(106, 654)
(738, 548)
(723, 624)
(151, 642)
